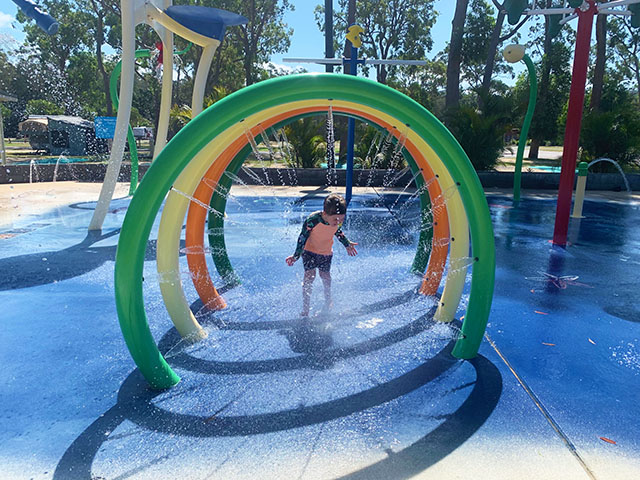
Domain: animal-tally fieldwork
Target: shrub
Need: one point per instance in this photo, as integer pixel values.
(614, 134)
(43, 107)
(480, 135)
(309, 147)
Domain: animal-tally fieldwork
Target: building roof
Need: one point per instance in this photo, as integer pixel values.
(44, 120)
(79, 121)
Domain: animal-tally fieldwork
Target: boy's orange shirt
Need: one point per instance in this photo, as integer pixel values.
(320, 239)
(317, 236)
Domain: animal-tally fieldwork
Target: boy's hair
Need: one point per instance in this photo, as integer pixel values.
(334, 204)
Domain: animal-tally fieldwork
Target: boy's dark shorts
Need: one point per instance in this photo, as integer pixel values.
(312, 260)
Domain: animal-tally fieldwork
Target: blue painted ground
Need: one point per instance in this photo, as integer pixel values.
(368, 391)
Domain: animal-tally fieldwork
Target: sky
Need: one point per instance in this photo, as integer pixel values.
(8, 35)
(307, 40)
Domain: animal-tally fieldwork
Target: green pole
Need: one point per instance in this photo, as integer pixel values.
(533, 94)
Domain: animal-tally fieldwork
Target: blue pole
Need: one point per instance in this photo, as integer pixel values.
(351, 132)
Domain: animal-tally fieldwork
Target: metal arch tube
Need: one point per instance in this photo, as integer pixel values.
(191, 140)
(176, 206)
(426, 243)
(574, 121)
(194, 235)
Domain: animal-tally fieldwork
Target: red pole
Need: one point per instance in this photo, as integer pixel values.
(574, 121)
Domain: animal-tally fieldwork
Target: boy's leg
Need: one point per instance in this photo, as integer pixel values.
(307, 285)
(326, 281)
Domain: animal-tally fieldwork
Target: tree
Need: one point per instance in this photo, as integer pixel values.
(266, 32)
(452, 98)
(101, 16)
(7, 73)
(49, 57)
(475, 42)
(612, 131)
(308, 144)
(87, 88)
(497, 37)
(56, 50)
(599, 68)
(481, 133)
(43, 107)
(426, 86)
(392, 29)
(624, 41)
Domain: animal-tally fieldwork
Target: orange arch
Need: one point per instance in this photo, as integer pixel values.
(196, 218)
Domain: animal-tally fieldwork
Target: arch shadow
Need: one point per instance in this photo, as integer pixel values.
(30, 270)
(135, 404)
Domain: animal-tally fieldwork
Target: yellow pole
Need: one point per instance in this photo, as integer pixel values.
(581, 185)
(2, 152)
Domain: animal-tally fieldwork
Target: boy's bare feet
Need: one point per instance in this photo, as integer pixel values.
(304, 314)
(327, 307)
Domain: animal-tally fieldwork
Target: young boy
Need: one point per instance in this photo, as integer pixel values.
(315, 245)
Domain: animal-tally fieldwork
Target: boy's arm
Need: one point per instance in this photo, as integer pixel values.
(348, 244)
(342, 237)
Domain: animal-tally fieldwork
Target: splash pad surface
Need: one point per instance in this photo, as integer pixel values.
(368, 391)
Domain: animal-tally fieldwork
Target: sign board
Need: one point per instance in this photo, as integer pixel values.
(105, 127)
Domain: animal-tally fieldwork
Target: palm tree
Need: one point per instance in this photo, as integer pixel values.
(308, 145)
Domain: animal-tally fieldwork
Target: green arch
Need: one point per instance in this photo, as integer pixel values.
(145, 205)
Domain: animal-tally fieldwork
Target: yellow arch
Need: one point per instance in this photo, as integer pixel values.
(176, 206)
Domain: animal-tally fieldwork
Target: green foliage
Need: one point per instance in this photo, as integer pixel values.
(392, 29)
(265, 34)
(614, 135)
(363, 150)
(179, 116)
(43, 107)
(614, 130)
(7, 74)
(138, 120)
(481, 134)
(306, 140)
(218, 93)
(426, 86)
(478, 27)
(371, 151)
(553, 93)
(57, 49)
(623, 51)
(4, 110)
(88, 92)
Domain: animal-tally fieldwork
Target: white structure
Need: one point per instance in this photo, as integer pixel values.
(200, 25)
(3, 153)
